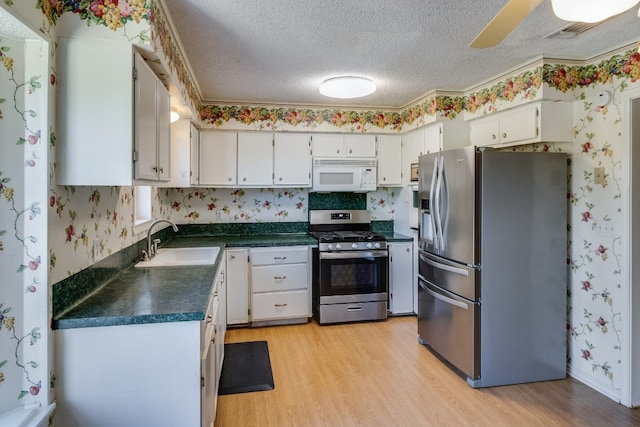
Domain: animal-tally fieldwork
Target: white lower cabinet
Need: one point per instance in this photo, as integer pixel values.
(237, 286)
(401, 280)
(280, 283)
(152, 374)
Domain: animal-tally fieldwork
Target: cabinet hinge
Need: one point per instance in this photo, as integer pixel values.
(134, 156)
(537, 132)
(202, 382)
(135, 74)
(537, 112)
(248, 260)
(249, 312)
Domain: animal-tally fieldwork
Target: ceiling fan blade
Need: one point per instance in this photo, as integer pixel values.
(504, 22)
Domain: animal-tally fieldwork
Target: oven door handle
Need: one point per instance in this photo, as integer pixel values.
(354, 254)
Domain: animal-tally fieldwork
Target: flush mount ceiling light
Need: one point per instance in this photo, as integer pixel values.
(347, 87)
(590, 10)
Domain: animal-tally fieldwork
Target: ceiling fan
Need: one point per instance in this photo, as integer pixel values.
(569, 10)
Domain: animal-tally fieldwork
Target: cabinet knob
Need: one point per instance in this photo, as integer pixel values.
(155, 169)
(244, 179)
(384, 178)
(338, 151)
(280, 179)
(504, 135)
(161, 169)
(232, 256)
(350, 151)
(493, 136)
(229, 179)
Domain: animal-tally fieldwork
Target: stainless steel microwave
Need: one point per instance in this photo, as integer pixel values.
(356, 175)
(414, 172)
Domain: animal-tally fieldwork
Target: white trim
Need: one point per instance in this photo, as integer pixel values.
(626, 244)
(587, 378)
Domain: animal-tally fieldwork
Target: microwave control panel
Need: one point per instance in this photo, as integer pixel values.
(369, 177)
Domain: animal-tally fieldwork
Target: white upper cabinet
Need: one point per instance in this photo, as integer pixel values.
(255, 159)
(360, 145)
(103, 138)
(543, 121)
(194, 138)
(340, 145)
(389, 160)
(292, 160)
(152, 120)
(217, 162)
(439, 136)
(180, 154)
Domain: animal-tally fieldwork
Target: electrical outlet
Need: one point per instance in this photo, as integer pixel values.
(218, 214)
(96, 248)
(598, 176)
(606, 228)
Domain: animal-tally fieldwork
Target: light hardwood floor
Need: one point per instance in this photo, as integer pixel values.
(376, 374)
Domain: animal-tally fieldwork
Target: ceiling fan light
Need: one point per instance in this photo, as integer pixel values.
(347, 87)
(590, 10)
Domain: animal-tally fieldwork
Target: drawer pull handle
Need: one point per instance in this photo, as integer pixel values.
(280, 305)
(354, 308)
(209, 319)
(279, 277)
(279, 257)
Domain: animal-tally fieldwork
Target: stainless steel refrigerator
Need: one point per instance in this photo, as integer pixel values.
(492, 295)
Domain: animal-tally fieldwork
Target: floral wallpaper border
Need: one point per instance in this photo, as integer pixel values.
(116, 13)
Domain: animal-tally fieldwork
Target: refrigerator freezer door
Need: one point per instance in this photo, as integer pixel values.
(450, 326)
(458, 278)
(456, 207)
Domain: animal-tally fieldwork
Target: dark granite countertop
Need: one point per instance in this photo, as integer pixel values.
(168, 294)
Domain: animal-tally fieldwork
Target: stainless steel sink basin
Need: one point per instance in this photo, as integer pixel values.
(175, 257)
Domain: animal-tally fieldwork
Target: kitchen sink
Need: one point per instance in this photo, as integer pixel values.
(175, 257)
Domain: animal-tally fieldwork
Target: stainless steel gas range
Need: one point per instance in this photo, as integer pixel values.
(350, 267)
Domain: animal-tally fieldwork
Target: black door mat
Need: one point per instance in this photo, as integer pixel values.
(246, 368)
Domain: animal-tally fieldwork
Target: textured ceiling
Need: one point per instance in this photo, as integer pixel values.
(12, 28)
(278, 51)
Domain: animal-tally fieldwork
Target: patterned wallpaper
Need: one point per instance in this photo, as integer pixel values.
(79, 217)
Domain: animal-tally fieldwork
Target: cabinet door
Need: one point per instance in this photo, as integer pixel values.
(237, 286)
(360, 145)
(255, 159)
(519, 125)
(401, 279)
(146, 161)
(328, 145)
(484, 132)
(389, 160)
(433, 138)
(217, 163)
(291, 160)
(163, 121)
(417, 142)
(194, 172)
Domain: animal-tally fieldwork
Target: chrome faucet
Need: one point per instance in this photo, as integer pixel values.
(152, 246)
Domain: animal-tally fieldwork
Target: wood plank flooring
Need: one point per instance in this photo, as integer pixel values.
(376, 374)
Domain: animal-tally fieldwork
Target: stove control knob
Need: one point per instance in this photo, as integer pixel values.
(338, 246)
(377, 245)
(330, 246)
(354, 246)
(369, 245)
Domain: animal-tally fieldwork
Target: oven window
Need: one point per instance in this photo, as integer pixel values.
(353, 276)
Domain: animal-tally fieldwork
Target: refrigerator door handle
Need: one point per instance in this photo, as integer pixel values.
(443, 298)
(443, 209)
(442, 266)
(433, 203)
(436, 207)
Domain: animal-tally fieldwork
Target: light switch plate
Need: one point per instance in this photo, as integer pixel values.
(598, 176)
(605, 228)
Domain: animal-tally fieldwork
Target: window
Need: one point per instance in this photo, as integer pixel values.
(142, 207)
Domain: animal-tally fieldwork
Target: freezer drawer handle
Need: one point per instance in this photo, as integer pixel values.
(354, 308)
(445, 299)
(444, 266)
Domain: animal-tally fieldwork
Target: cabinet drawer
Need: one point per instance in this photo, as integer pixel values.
(280, 305)
(270, 278)
(279, 255)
